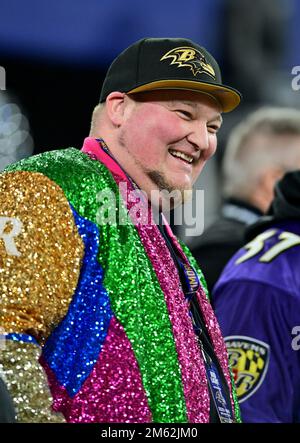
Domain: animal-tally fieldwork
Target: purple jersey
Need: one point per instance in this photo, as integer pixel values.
(257, 301)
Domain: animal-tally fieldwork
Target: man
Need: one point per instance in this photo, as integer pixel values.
(257, 303)
(259, 151)
(111, 297)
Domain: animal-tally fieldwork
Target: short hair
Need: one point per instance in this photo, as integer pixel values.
(95, 119)
(256, 144)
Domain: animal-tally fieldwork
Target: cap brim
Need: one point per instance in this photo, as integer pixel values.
(228, 98)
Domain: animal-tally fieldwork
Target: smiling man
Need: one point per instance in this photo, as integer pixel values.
(121, 313)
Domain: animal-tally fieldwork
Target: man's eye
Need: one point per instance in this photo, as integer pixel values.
(213, 128)
(184, 113)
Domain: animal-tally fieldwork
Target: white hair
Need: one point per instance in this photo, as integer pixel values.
(260, 142)
(96, 117)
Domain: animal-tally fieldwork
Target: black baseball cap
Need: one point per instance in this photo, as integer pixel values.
(168, 63)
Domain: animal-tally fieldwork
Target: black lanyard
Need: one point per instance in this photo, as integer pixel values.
(220, 409)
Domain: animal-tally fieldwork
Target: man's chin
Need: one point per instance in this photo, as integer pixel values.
(182, 194)
(169, 192)
(167, 200)
(187, 195)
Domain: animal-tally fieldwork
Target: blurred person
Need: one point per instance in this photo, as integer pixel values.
(257, 300)
(260, 149)
(15, 139)
(262, 44)
(94, 277)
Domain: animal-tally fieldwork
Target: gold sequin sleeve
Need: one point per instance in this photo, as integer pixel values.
(40, 258)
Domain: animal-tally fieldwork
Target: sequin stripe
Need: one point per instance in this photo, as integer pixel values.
(237, 410)
(113, 393)
(204, 287)
(193, 373)
(211, 324)
(74, 345)
(216, 338)
(214, 330)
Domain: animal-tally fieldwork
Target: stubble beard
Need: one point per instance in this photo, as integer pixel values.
(181, 195)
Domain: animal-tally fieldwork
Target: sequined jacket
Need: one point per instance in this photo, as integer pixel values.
(101, 301)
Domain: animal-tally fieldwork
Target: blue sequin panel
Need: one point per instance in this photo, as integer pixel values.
(73, 347)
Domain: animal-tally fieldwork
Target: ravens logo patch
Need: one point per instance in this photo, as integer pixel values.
(249, 361)
(185, 56)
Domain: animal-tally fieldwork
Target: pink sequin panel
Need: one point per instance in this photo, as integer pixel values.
(211, 324)
(104, 397)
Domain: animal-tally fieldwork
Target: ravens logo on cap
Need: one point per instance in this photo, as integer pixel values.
(192, 58)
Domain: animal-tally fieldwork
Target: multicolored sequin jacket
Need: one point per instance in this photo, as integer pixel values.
(103, 301)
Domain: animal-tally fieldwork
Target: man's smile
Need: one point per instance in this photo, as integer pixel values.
(183, 156)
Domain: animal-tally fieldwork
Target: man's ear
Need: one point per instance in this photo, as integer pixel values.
(271, 176)
(115, 107)
(265, 193)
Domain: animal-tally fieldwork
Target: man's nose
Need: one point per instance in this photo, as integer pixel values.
(198, 135)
